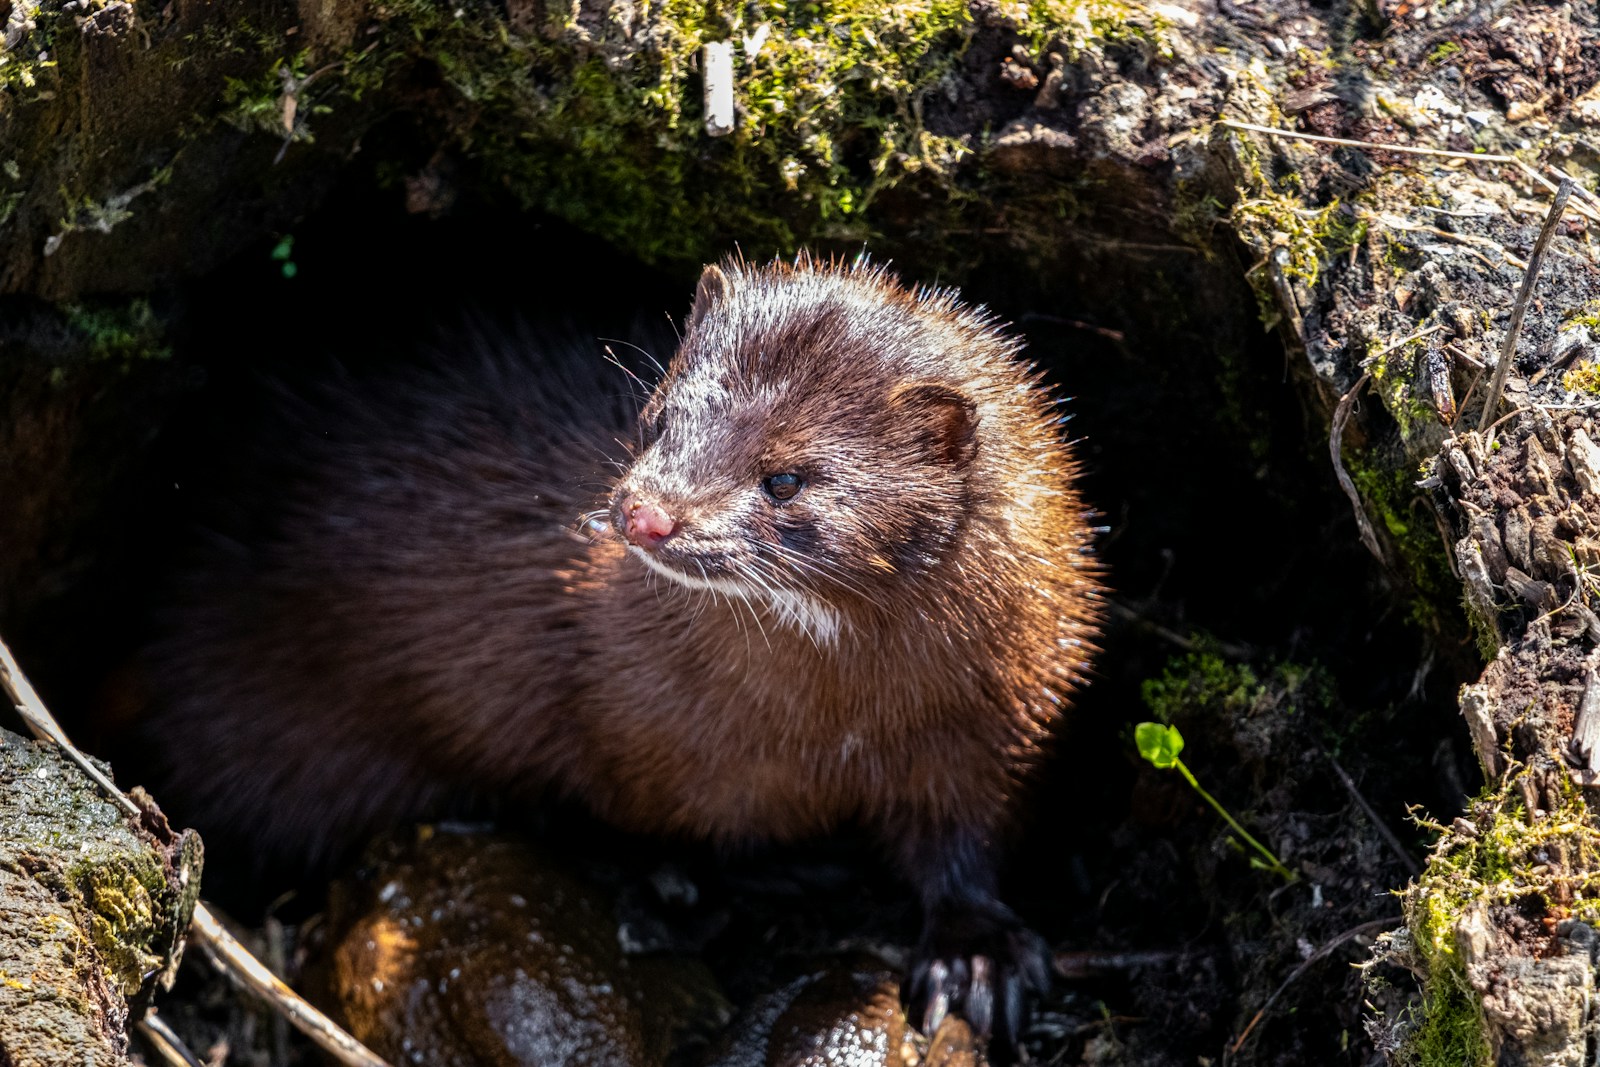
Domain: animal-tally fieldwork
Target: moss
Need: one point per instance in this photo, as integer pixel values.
(831, 103)
(1395, 377)
(1451, 1031)
(124, 333)
(1275, 221)
(1198, 678)
(1390, 497)
(1443, 51)
(27, 63)
(124, 924)
(1585, 314)
(1079, 26)
(1502, 859)
(1234, 690)
(1583, 378)
(604, 129)
(1306, 236)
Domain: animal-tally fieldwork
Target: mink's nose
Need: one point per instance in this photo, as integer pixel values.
(646, 524)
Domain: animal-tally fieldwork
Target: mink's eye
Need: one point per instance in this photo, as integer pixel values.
(783, 486)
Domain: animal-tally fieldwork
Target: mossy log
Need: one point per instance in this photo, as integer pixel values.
(92, 910)
(141, 143)
(1397, 274)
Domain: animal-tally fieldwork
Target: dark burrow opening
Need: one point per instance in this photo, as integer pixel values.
(1244, 609)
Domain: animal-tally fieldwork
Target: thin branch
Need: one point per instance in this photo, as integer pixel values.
(43, 726)
(219, 946)
(1509, 347)
(1341, 415)
(250, 974)
(1411, 150)
(1186, 642)
(1090, 964)
(1383, 828)
(168, 1045)
(1394, 223)
(1375, 926)
(1398, 345)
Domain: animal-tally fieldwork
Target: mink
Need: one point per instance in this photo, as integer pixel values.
(835, 571)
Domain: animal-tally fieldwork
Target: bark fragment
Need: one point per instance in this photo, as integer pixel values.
(92, 911)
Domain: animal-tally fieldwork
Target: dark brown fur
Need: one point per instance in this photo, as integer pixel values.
(421, 616)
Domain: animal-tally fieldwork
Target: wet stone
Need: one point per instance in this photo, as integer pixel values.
(843, 1015)
(460, 948)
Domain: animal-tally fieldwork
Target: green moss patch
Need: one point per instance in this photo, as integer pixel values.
(1501, 858)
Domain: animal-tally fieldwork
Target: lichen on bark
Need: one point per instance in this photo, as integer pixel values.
(92, 910)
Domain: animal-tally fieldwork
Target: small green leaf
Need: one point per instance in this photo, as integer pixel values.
(1157, 743)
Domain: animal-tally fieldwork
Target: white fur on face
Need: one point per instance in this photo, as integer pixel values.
(821, 623)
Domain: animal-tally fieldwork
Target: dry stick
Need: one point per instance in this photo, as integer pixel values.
(1188, 644)
(1341, 415)
(1090, 964)
(1322, 953)
(1468, 239)
(1578, 186)
(1398, 345)
(1411, 150)
(1509, 347)
(1383, 828)
(234, 960)
(225, 953)
(168, 1045)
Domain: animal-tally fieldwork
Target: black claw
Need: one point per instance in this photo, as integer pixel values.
(982, 965)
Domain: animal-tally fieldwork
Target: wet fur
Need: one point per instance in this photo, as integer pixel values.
(889, 648)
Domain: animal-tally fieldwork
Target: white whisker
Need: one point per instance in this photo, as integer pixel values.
(814, 618)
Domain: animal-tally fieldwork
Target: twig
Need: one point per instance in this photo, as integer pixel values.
(1398, 345)
(1520, 308)
(234, 960)
(1581, 189)
(1188, 644)
(1411, 150)
(1394, 223)
(1341, 415)
(1057, 320)
(43, 725)
(219, 946)
(1321, 954)
(168, 1045)
(1383, 829)
(1088, 964)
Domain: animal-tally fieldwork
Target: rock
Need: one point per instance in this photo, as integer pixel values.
(469, 949)
(843, 1015)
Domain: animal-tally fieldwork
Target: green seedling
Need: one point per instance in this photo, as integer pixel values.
(1160, 745)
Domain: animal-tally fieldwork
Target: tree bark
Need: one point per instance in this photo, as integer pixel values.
(92, 911)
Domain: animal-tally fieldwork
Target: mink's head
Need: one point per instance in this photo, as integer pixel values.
(820, 440)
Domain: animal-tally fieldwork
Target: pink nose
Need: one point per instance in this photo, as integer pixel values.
(646, 524)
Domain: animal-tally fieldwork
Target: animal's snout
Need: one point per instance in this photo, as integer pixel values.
(646, 524)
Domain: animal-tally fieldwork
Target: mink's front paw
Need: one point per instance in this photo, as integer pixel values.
(982, 965)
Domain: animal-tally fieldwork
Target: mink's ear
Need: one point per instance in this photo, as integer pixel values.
(714, 287)
(942, 419)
